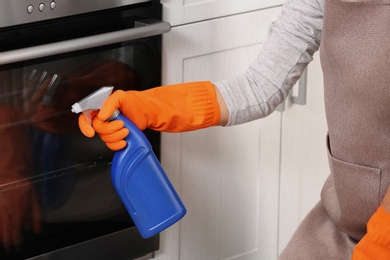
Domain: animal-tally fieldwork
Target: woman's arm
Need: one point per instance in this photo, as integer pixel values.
(295, 37)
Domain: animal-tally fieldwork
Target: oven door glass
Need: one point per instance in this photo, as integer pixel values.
(55, 186)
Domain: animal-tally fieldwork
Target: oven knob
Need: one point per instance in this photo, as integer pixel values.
(53, 5)
(30, 9)
(41, 7)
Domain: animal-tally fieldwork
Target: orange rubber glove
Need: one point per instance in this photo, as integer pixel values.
(376, 243)
(173, 108)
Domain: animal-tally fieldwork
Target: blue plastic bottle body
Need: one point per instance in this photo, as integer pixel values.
(143, 186)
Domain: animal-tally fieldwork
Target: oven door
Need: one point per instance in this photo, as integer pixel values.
(56, 196)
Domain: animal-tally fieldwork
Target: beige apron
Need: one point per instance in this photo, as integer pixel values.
(355, 59)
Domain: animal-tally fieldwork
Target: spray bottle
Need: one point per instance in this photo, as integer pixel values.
(137, 175)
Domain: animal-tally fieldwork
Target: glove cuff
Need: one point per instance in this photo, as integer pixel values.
(204, 105)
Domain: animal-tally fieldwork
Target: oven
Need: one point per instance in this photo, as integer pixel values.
(56, 196)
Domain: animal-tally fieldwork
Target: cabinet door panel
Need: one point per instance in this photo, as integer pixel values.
(304, 162)
(227, 177)
(187, 11)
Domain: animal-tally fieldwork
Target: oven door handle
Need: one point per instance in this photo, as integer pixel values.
(141, 30)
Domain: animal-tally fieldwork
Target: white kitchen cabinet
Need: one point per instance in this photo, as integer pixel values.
(188, 11)
(304, 162)
(227, 177)
(247, 187)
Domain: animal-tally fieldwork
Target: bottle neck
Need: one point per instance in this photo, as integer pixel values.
(114, 115)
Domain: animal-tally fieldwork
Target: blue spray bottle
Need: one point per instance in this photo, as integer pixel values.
(137, 175)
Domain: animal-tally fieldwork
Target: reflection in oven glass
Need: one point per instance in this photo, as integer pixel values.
(53, 179)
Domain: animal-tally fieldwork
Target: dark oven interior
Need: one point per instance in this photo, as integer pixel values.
(56, 194)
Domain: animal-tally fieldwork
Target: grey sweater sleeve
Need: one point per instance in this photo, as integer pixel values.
(295, 37)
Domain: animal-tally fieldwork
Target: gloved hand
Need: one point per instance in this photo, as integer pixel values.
(173, 108)
(376, 242)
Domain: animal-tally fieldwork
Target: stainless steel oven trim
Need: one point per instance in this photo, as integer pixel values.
(28, 11)
(145, 29)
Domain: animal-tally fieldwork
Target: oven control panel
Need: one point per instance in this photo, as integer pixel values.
(41, 7)
(28, 11)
